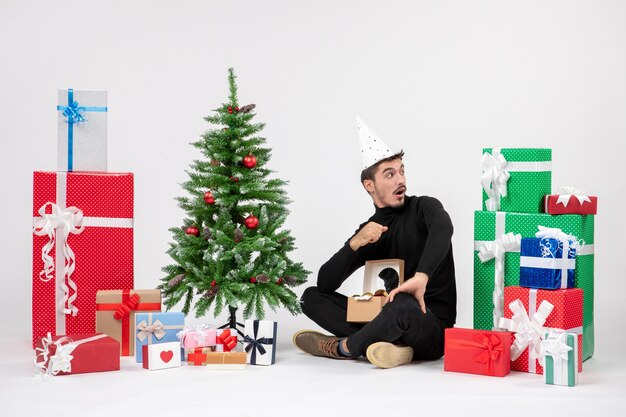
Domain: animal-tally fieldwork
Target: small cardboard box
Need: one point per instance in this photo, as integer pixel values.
(364, 310)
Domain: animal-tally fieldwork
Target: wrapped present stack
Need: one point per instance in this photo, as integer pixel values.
(83, 222)
(529, 247)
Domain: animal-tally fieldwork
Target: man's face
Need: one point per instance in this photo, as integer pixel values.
(389, 186)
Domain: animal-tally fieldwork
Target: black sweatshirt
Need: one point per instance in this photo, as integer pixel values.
(419, 232)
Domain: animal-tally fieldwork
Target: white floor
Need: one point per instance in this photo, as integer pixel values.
(302, 385)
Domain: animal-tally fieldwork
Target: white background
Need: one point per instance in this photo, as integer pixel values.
(439, 79)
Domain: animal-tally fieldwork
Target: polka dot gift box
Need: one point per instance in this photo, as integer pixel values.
(516, 180)
(492, 275)
(82, 243)
(545, 309)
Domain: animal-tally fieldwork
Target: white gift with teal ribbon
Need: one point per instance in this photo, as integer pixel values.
(560, 351)
(82, 130)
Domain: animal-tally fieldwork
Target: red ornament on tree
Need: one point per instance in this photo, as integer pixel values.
(208, 198)
(249, 161)
(213, 283)
(280, 281)
(192, 230)
(251, 222)
(253, 280)
(235, 179)
(230, 110)
(237, 109)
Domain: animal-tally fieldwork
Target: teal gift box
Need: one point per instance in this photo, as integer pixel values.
(152, 328)
(560, 350)
(516, 180)
(491, 226)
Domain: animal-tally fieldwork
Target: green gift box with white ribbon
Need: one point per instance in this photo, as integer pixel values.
(496, 241)
(516, 179)
(560, 350)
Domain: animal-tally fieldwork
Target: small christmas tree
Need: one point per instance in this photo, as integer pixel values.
(231, 250)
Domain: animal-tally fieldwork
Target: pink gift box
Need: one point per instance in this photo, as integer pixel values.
(197, 336)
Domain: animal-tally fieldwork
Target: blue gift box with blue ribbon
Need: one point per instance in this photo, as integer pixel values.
(153, 328)
(260, 341)
(82, 130)
(547, 263)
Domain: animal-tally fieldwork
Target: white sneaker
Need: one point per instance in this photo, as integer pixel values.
(387, 355)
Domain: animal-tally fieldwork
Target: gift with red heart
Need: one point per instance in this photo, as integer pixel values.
(161, 356)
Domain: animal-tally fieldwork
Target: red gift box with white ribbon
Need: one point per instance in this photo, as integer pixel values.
(82, 243)
(529, 313)
(77, 354)
(570, 200)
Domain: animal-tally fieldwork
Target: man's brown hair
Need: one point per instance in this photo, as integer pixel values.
(369, 172)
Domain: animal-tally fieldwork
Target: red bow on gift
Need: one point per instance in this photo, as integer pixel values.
(490, 349)
(124, 309)
(229, 341)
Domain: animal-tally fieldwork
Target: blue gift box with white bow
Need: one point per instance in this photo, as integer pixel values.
(82, 130)
(260, 341)
(547, 263)
(153, 328)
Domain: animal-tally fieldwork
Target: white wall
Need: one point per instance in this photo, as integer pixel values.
(440, 79)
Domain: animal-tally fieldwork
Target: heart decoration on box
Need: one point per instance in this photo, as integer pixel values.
(167, 356)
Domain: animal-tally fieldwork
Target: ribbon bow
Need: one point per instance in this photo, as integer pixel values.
(555, 345)
(68, 220)
(566, 193)
(568, 243)
(72, 113)
(494, 178)
(146, 330)
(61, 361)
(496, 249)
(229, 341)
(491, 348)
(124, 309)
(529, 331)
(256, 343)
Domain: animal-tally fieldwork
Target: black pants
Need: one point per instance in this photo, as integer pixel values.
(400, 321)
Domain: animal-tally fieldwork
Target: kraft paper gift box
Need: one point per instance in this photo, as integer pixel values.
(82, 130)
(160, 356)
(82, 243)
(491, 231)
(547, 264)
(260, 341)
(197, 336)
(115, 314)
(198, 356)
(529, 313)
(516, 179)
(570, 201)
(364, 308)
(154, 328)
(223, 361)
(480, 352)
(560, 351)
(77, 354)
(226, 340)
